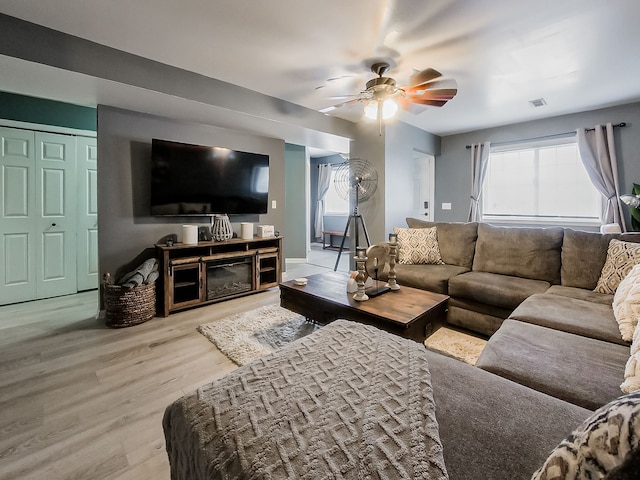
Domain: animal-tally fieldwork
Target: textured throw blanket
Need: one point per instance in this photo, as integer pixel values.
(145, 273)
(346, 402)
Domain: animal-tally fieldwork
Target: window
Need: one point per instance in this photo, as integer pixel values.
(539, 183)
(334, 204)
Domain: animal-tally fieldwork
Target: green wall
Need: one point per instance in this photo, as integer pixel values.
(47, 112)
(296, 214)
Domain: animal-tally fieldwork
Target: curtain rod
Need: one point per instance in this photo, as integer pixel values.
(621, 124)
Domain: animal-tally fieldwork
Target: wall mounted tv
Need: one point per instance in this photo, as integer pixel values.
(200, 180)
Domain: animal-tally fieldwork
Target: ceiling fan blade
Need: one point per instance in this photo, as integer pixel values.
(340, 105)
(423, 76)
(447, 83)
(437, 94)
(342, 97)
(426, 101)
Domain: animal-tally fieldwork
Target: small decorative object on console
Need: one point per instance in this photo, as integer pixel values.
(190, 234)
(265, 231)
(221, 229)
(393, 249)
(246, 230)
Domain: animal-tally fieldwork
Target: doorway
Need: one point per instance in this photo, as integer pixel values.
(335, 212)
(424, 185)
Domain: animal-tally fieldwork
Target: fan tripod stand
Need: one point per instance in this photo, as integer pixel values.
(355, 217)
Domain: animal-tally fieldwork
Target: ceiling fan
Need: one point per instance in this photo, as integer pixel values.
(383, 96)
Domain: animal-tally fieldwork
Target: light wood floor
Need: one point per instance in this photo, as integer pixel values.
(82, 401)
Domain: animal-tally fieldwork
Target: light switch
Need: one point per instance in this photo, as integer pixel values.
(446, 206)
(273, 204)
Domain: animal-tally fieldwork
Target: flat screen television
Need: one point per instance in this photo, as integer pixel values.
(201, 180)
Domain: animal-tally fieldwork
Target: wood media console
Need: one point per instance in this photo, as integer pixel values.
(208, 272)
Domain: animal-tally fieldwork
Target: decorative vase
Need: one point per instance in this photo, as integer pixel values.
(221, 229)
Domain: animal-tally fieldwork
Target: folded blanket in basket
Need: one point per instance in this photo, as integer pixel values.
(145, 273)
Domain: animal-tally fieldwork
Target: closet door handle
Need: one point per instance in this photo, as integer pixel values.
(53, 224)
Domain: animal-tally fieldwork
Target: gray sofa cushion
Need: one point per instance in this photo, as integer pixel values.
(479, 317)
(499, 290)
(581, 294)
(584, 254)
(570, 367)
(457, 241)
(492, 428)
(522, 252)
(434, 278)
(584, 318)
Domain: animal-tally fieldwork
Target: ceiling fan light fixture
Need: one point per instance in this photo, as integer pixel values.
(389, 109)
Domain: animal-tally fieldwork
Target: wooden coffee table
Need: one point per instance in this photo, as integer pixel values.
(408, 312)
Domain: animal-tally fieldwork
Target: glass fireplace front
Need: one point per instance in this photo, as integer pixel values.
(225, 277)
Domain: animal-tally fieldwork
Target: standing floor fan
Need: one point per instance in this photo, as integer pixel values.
(359, 178)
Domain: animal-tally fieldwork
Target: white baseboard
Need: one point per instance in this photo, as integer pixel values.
(296, 260)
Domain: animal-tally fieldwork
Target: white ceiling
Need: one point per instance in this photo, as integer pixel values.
(576, 54)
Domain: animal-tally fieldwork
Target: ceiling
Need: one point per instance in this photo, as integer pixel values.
(576, 54)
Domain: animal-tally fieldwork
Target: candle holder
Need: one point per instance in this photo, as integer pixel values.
(360, 258)
(393, 250)
(377, 290)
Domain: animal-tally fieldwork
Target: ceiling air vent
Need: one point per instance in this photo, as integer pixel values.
(538, 102)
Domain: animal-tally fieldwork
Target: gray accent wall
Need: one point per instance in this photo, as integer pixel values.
(402, 143)
(227, 105)
(370, 145)
(124, 151)
(453, 168)
(391, 154)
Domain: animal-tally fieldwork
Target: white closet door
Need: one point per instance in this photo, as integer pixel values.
(87, 253)
(17, 210)
(55, 214)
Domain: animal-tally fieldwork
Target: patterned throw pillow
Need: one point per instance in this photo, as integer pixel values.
(621, 257)
(626, 303)
(418, 246)
(599, 445)
(629, 468)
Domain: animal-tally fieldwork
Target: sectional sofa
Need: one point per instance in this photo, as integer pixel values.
(531, 291)
(555, 354)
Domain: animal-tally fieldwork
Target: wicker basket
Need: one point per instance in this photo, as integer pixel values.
(125, 307)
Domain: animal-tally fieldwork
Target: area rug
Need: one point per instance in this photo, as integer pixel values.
(456, 344)
(246, 336)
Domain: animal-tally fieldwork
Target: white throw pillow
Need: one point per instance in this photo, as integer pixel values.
(631, 374)
(621, 257)
(418, 246)
(626, 303)
(632, 369)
